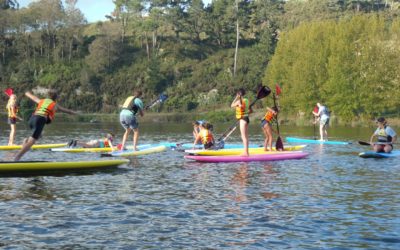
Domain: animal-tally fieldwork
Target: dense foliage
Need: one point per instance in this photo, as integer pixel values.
(341, 52)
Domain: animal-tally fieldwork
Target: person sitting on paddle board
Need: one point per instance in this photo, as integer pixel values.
(386, 137)
(12, 109)
(241, 104)
(132, 106)
(107, 141)
(205, 136)
(44, 114)
(266, 125)
(323, 116)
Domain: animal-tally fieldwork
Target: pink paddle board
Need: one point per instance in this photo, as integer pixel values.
(289, 155)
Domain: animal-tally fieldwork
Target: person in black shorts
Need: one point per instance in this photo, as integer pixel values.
(44, 114)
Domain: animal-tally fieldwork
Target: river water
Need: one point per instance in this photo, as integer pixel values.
(331, 200)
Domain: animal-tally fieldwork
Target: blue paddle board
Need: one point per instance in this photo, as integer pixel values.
(372, 154)
(301, 140)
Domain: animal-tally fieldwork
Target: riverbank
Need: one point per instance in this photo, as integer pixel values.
(219, 116)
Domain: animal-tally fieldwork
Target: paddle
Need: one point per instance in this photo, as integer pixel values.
(160, 99)
(263, 91)
(279, 143)
(369, 144)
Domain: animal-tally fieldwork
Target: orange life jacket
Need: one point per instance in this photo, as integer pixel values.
(269, 116)
(206, 136)
(46, 108)
(243, 111)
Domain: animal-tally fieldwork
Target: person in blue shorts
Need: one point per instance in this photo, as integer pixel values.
(132, 106)
(386, 137)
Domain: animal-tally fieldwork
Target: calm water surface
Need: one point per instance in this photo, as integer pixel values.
(331, 200)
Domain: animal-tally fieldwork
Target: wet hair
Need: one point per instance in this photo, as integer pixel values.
(241, 91)
(381, 120)
(207, 125)
(53, 94)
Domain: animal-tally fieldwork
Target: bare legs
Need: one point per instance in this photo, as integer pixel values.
(135, 137)
(244, 126)
(268, 137)
(25, 148)
(387, 148)
(323, 132)
(12, 134)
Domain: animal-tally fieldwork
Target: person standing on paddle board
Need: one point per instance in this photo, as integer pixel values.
(386, 137)
(12, 110)
(44, 114)
(266, 125)
(131, 107)
(323, 116)
(205, 136)
(241, 104)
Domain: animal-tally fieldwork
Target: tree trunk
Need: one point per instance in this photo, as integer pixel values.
(147, 47)
(237, 38)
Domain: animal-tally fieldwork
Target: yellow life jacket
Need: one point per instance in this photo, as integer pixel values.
(206, 136)
(129, 104)
(243, 110)
(12, 109)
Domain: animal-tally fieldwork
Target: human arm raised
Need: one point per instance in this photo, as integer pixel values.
(32, 97)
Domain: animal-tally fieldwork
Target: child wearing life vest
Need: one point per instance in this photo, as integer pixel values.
(12, 110)
(105, 142)
(204, 136)
(386, 137)
(241, 105)
(44, 114)
(266, 125)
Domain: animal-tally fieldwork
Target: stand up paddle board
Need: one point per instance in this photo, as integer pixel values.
(124, 153)
(257, 157)
(31, 166)
(259, 150)
(301, 140)
(36, 146)
(93, 150)
(372, 154)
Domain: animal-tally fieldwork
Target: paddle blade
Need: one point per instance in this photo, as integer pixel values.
(364, 143)
(9, 91)
(278, 89)
(263, 91)
(279, 144)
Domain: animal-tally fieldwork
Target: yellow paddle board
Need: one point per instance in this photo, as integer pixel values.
(126, 153)
(238, 151)
(27, 166)
(36, 146)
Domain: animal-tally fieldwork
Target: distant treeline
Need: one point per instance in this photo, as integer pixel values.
(343, 53)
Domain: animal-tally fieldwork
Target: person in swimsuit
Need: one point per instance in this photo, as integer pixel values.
(241, 105)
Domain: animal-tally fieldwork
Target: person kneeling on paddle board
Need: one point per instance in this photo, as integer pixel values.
(241, 104)
(205, 136)
(44, 114)
(266, 125)
(386, 137)
(323, 116)
(107, 141)
(131, 107)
